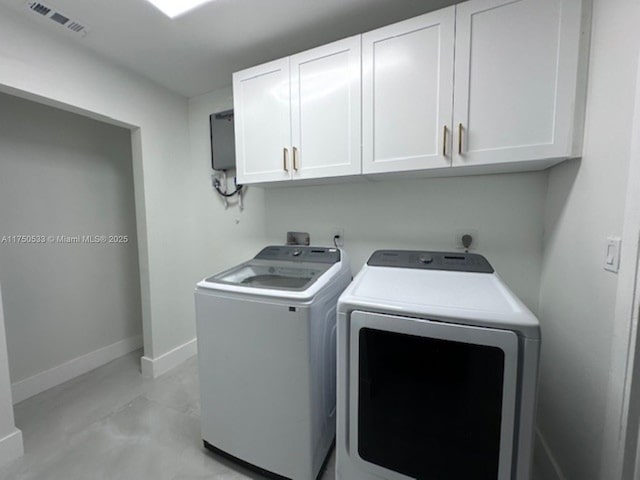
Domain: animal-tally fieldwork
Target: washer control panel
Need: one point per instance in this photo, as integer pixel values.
(299, 253)
(452, 261)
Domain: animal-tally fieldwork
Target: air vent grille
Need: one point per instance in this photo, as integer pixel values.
(41, 9)
(49, 12)
(76, 27)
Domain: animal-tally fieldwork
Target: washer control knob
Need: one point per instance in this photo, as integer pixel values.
(296, 253)
(425, 259)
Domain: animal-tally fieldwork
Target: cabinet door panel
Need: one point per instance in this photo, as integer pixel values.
(263, 123)
(407, 93)
(515, 79)
(325, 110)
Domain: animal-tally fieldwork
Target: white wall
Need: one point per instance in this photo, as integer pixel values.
(65, 174)
(585, 204)
(56, 70)
(226, 237)
(505, 210)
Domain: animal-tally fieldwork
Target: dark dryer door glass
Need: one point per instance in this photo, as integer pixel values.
(430, 408)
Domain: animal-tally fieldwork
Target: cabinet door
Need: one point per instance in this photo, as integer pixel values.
(325, 110)
(516, 72)
(263, 123)
(407, 83)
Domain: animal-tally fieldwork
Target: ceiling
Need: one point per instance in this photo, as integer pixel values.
(198, 52)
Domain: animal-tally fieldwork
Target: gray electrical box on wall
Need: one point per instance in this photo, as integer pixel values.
(223, 148)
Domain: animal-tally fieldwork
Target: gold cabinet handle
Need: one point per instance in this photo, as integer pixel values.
(285, 159)
(444, 141)
(460, 133)
(295, 159)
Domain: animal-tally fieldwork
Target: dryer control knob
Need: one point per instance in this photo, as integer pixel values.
(296, 253)
(425, 260)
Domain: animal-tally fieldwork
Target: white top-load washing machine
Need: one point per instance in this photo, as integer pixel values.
(437, 371)
(267, 358)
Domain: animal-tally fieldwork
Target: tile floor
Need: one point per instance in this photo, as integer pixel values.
(113, 424)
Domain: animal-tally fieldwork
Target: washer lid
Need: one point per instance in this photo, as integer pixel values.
(480, 299)
(291, 272)
(272, 275)
(454, 290)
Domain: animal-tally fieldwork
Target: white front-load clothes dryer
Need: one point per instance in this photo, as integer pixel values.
(437, 371)
(267, 358)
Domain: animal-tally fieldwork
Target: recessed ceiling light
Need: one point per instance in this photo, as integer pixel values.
(175, 8)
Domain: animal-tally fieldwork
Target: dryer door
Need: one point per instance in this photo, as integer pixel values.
(431, 400)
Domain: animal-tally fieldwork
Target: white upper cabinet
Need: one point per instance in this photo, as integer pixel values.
(408, 94)
(485, 86)
(300, 117)
(263, 123)
(516, 76)
(325, 110)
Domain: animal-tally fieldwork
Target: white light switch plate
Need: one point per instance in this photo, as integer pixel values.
(612, 254)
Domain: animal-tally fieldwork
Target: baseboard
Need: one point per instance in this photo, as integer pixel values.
(55, 376)
(154, 367)
(11, 447)
(546, 466)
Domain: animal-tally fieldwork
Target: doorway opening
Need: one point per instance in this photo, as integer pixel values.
(69, 266)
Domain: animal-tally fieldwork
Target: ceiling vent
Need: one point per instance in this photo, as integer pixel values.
(48, 12)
